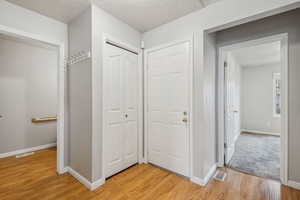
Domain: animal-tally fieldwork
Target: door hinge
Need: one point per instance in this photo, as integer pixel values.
(225, 145)
(225, 64)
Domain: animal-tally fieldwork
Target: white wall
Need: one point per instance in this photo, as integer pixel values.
(20, 19)
(28, 89)
(214, 17)
(16, 17)
(257, 99)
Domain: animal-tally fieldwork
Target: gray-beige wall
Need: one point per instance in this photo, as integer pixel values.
(28, 88)
(284, 23)
(80, 97)
(257, 99)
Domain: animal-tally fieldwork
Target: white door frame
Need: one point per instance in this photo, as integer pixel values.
(126, 45)
(191, 85)
(60, 89)
(283, 38)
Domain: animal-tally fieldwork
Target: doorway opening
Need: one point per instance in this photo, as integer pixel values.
(253, 126)
(32, 101)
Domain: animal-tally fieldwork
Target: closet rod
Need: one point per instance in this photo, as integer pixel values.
(115, 45)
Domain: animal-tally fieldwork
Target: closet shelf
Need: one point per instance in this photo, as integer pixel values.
(44, 119)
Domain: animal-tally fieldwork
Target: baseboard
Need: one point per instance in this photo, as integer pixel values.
(13, 153)
(203, 182)
(294, 184)
(97, 184)
(64, 170)
(259, 132)
(84, 181)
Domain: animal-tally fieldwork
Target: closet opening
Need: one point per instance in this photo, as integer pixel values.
(31, 104)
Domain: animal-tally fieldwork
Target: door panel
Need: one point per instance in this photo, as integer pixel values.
(168, 99)
(113, 112)
(130, 149)
(130, 107)
(120, 109)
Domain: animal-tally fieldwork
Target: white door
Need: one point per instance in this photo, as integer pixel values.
(168, 107)
(120, 79)
(232, 105)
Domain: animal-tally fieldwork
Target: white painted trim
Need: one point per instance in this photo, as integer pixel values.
(293, 184)
(84, 181)
(97, 184)
(191, 113)
(283, 38)
(65, 170)
(126, 45)
(61, 85)
(21, 151)
(259, 132)
(203, 182)
(141, 108)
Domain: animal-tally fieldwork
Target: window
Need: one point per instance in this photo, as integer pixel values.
(276, 95)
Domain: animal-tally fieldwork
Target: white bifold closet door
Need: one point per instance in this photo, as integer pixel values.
(120, 109)
(168, 107)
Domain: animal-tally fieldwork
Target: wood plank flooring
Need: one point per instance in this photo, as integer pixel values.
(34, 177)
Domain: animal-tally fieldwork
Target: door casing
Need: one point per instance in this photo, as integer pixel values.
(283, 38)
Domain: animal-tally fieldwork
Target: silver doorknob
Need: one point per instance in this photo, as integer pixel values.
(126, 115)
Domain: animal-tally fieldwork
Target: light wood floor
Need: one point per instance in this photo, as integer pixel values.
(34, 177)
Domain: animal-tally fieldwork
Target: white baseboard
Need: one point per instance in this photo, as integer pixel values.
(64, 170)
(84, 181)
(203, 182)
(294, 184)
(13, 153)
(97, 184)
(259, 132)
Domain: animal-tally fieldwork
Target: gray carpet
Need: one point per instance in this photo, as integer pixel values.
(258, 155)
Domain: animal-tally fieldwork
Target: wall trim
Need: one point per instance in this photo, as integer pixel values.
(259, 132)
(203, 182)
(84, 181)
(97, 184)
(21, 151)
(64, 170)
(293, 184)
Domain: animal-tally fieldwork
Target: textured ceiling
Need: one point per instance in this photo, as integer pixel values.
(258, 55)
(61, 10)
(143, 15)
(147, 14)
